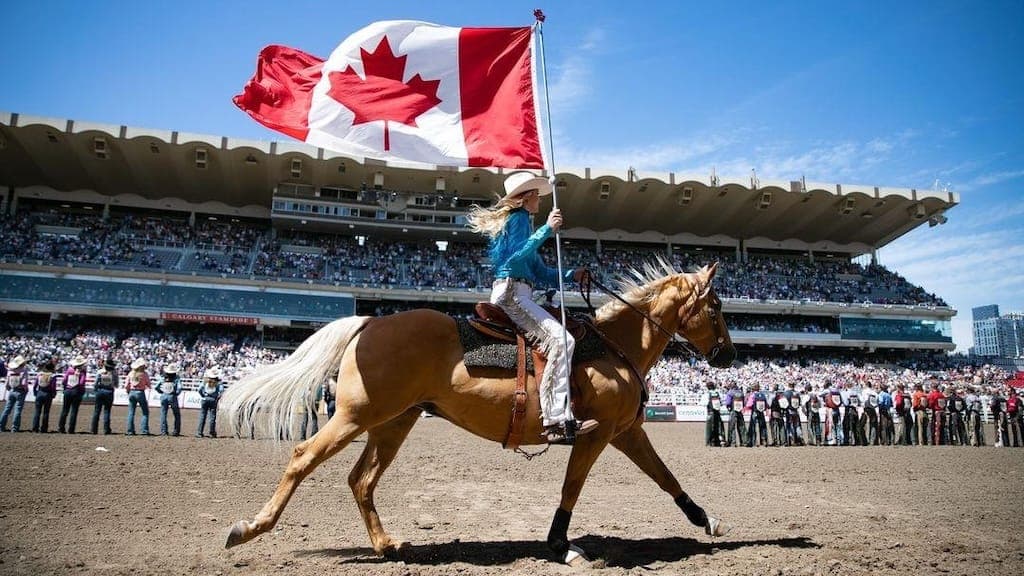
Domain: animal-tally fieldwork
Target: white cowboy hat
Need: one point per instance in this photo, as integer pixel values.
(139, 363)
(172, 368)
(522, 182)
(17, 362)
(212, 373)
(78, 361)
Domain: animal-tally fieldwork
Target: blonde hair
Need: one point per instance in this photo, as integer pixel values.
(491, 221)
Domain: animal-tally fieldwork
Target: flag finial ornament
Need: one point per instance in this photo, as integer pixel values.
(539, 15)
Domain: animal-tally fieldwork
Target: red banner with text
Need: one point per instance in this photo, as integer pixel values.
(209, 318)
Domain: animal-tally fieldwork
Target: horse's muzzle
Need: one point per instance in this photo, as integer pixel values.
(722, 357)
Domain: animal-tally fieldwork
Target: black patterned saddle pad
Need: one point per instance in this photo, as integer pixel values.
(483, 351)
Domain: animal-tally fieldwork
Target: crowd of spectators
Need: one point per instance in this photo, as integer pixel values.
(687, 376)
(254, 249)
(236, 350)
(194, 348)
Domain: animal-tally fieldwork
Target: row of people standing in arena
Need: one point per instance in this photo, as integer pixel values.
(44, 385)
(871, 415)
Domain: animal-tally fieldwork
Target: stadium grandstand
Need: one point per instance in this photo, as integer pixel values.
(211, 249)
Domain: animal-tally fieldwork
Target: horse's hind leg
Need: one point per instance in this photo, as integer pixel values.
(382, 444)
(337, 434)
(635, 444)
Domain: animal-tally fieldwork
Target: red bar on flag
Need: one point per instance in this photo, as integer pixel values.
(407, 91)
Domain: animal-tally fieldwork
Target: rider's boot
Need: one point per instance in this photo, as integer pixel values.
(565, 433)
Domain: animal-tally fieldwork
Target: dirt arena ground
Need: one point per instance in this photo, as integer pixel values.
(164, 505)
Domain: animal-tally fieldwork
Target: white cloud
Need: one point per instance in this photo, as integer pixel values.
(729, 153)
(994, 178)
(838, 161)
(660, 156)
(972, 266)
(880, 146)
(994, 215)
(570, 81)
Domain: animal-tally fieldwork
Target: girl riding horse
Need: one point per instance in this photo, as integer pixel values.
(389, 369)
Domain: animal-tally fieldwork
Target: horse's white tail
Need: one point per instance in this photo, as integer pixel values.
(265, 403)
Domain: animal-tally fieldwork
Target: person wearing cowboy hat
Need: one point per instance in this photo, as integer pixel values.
(937, 404)
(210, 391)
(106, 382)
(45, 391)
(517, 269)
(997, 407)
(1014, 423)
(137, 384)
(330, 393)
(310, 407)
(919, 402)
(169, 388)
(905, 414)
(74, 390)
(16, 386)
(975, 417)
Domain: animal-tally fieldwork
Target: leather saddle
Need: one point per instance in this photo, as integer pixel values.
(492, 321)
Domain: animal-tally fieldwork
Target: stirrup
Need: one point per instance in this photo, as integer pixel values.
(566, 433)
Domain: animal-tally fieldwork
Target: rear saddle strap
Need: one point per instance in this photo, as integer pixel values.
(518, 422)
(519, 397)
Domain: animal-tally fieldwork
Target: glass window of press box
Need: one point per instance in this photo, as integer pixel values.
(190, 299)
(899, 329)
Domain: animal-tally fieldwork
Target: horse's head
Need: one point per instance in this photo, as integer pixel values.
(702, 323)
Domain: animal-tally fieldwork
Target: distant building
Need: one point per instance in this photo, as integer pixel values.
(985, 312)
(995, 335)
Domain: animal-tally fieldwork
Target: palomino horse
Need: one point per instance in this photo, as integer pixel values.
(392, 368)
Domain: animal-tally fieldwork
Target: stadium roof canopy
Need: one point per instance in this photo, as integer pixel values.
(112, 160)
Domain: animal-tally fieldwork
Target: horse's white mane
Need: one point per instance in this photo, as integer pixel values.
(639, 285)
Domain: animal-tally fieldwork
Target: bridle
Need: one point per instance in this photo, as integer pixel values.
(716, 307)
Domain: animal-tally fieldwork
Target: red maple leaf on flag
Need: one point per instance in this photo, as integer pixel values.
(383, 95)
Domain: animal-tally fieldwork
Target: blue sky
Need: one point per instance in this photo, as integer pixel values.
(902, 94)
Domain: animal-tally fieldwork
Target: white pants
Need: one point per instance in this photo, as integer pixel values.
(515, 298)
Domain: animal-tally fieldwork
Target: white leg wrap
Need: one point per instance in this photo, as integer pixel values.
(575, 556)
(716, 527)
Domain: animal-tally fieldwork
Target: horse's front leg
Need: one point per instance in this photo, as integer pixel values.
(635, 444)
(584, 453)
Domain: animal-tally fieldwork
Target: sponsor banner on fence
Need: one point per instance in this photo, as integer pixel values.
(209, 318)
(660, 413)
(691, 413)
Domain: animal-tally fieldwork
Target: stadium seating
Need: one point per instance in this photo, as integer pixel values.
(214, 246)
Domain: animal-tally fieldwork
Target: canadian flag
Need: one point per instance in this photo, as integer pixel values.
(407, 91)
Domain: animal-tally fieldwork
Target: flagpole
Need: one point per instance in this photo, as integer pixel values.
(539, 27)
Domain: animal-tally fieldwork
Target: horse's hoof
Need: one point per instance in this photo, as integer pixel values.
(716, 527)
(575, 557)
(237, 534)
(392, 550)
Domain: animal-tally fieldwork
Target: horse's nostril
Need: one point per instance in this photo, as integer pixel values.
(724, 357)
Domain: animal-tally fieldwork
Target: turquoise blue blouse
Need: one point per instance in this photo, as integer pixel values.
(514, 252)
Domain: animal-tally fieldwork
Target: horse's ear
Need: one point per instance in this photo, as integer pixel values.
(705, 275)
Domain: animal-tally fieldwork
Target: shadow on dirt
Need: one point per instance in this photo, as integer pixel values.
(619, 552)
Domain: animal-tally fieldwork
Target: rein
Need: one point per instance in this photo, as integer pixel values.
(589, 279)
